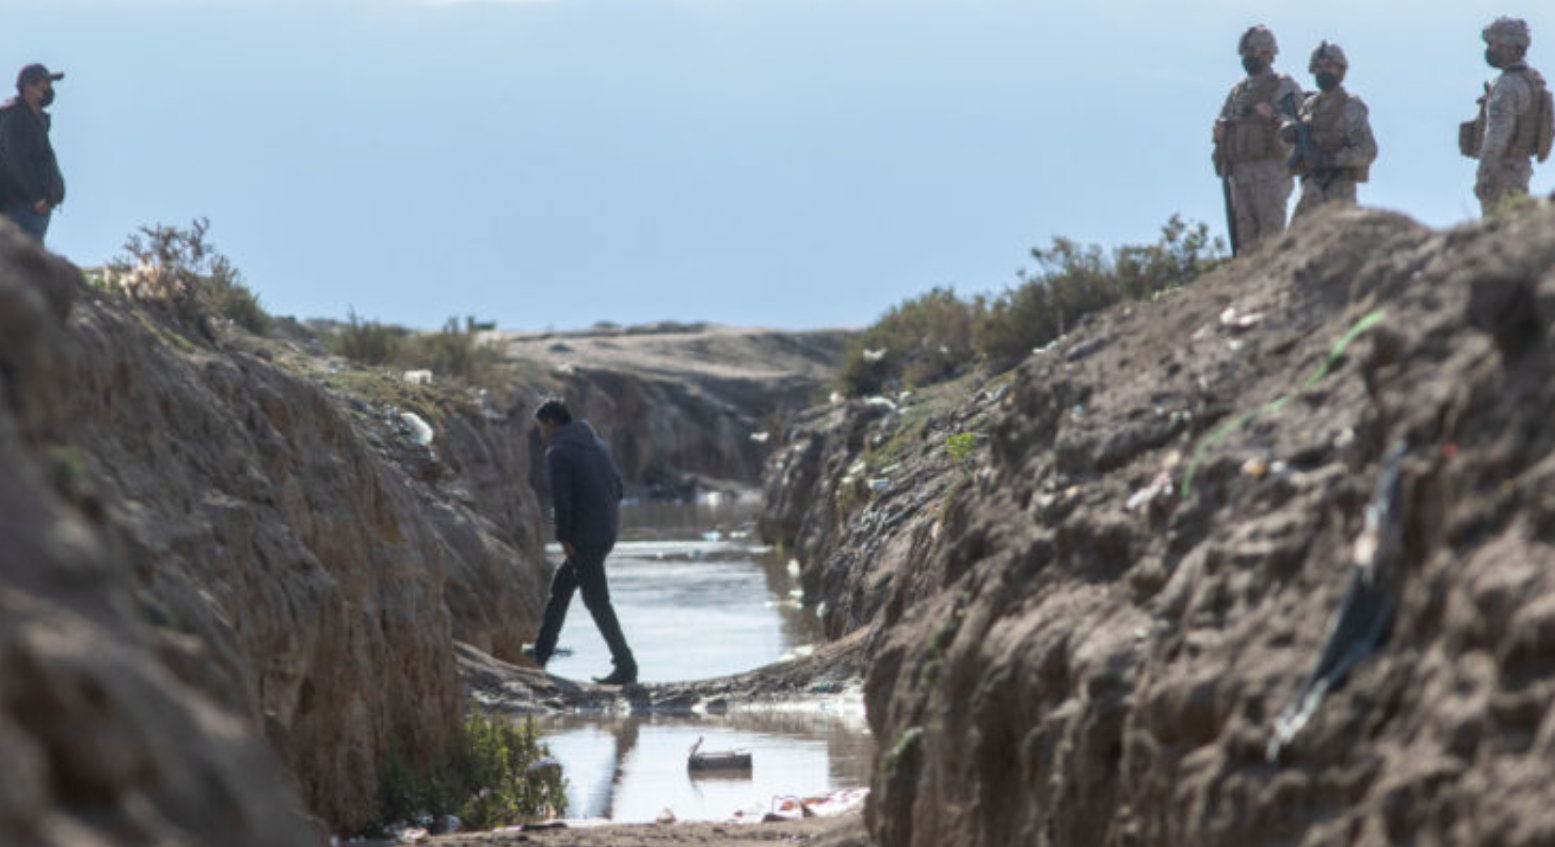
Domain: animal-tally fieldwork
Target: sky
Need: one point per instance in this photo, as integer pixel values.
(548, 164)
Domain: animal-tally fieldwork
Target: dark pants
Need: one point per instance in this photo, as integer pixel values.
(28, 219)
(586, 570)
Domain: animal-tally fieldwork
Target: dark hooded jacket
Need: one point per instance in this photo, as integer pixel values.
(28, 170)
(585, 488)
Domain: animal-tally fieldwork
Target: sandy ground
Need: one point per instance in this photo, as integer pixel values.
(844, 831)
(706, 351)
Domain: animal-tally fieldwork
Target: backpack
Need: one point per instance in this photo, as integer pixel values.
(1535, 140)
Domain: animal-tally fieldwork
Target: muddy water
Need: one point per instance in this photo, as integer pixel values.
(698, 597)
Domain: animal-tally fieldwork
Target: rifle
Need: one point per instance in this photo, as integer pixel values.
(1227, 190)
(1306, 158)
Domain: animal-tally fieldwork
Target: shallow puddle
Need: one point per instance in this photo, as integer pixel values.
(698, 597)
(630, 769)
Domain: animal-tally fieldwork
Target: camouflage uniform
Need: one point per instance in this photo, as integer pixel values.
(1249, 149)
(1341, 131)
(1507, 122)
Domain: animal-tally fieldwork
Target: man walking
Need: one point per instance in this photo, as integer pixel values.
(1249, 154)
(1514, 123)
(31, 186)
(1338, 127)
(586, 495)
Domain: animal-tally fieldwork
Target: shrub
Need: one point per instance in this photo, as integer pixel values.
(961, 445)
(181, 270)
(933, 337)
(367, 342)
(455, 351)
(495, 776)
(1075, 281)
(1513, 204)
(452, 351)
(919, 341)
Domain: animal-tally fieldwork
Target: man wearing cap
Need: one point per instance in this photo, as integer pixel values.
(1249, 154)
(31, 186)
(1338, 125)
(1505, 136)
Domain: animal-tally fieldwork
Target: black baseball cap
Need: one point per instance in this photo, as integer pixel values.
(35, 73)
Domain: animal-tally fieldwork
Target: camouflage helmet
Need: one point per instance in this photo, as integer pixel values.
(1504, 30)
(1258, 40)
(1331, 52)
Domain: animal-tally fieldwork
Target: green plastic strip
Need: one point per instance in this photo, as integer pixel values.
(1365, 323)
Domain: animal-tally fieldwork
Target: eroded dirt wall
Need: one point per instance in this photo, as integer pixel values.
(101, 744)
(290, 552)
(1111, 653)
(1098, 637)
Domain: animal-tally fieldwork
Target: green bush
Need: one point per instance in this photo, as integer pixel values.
(1513, 204)
(180, 269)
(490, 779)
(367, 342)
(935, 336)
(452, 351)
(961, 445)
(1073, 281)
(920, 341)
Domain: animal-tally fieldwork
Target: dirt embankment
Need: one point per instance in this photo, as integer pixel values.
(1324, 470)
(861, 487)
(224, 551)
(101, 742)
(685, 407)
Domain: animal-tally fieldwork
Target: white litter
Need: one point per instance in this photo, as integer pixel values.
(420, 430)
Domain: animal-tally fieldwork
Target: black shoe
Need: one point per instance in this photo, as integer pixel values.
(529, 653)
(619, 676)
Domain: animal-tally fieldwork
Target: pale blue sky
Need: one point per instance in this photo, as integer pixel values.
(791, 163)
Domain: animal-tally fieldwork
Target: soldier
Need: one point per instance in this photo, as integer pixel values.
(1507, 132)
(1249, 154)
(1340, 146)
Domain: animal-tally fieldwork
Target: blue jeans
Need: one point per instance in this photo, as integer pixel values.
(27, 218)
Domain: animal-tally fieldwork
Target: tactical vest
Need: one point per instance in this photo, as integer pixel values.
(1532, 134)
(1250, 137)
(1326, 119)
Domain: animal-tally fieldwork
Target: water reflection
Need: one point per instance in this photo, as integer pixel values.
(697, 595)
(628, 769)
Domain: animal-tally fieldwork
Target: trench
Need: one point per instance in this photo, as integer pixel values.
(699, 597)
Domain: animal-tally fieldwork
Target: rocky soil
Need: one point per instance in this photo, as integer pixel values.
(847, 831)
(1265, 561)
(102, 742)
(859, 488)
(523, 689)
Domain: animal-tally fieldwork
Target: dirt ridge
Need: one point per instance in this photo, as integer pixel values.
(1096, 658)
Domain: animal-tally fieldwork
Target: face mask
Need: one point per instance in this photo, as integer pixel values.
(1253, 65)
(1327, 81)
(1490, 57)
(48, 97)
